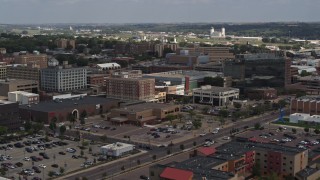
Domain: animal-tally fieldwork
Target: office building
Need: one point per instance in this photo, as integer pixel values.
(141, 114)
(158, 48)
(22, 97)
(307, 105)
(63, 78)
(9, 115)
(261, 93)
(215, 96)
(41, 60)
(11, 85)
(190, 79)
(130, 88)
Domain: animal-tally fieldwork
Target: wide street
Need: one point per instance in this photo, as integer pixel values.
(115, 168)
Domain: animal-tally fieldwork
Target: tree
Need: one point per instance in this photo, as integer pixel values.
(180, 116)
(81, 153)
(103, 138)
(192, 114)
(305, 73)
(237, 105)
(194, 143)
(27, 125)
(294, 131)
(138, 162)
(62, 170)
(223, 113)
(37, 127)
(181, 146)
(62, 130)
(53, 126)
(306, 129)
(221, 120)
(317, 131)
(123, 168)
(82, 121)
(154, 157)
(300, 94)
(170, 117)
(104, 174)
(168, 151)
(71, 118)
(196, 123)
(83, 114)
(3, 130)
(51, 173)
(90, 150)
(166, 51)
(84, 178)
(257, 126)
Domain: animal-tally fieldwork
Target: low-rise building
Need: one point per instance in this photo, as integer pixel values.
(3, 70)
(116, 149)
(10, 85)
(213, 95)
(140, 114)
(305, 118)
(307, 105)
(40, 60)
(23, 97)
(106, 67)
(22, 71)
(61, 109)
(95, 80)
(261, 93)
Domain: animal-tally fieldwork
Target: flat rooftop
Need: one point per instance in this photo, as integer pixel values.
(3, 102)
(50, 106)
(215, 89)
(184, 73)
(145, 106)
(17, 81)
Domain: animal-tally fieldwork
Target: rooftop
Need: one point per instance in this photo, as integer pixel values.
(215, 89)
(308, 171)
(17, 81)
(57, 105)
(176, 174)
(3, 102)
(145, 106)
(23, 93)
(108, 65)
(117, 145)
(184, 73)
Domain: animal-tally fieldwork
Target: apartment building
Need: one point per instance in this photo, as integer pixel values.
(64, 43)
(41, 60)
(158, 48)
(130, 88)
(10, 85)
(29, 72)
(63, 78)
(3, 70)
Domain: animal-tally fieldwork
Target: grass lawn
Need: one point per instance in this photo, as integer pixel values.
(302, 125)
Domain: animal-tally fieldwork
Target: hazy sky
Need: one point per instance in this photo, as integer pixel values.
(137, 11)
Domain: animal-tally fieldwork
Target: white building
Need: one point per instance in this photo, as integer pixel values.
(108, 66)
(116, 149)
(63, 79)
(214, 33)
(23, 97)
(301, 117)
(213, 95)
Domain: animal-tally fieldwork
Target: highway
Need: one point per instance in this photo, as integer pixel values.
(113, 169)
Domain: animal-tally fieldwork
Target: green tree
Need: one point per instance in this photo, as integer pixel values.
(62, 130)
(168, 151)
(257, 126)
(224, 113)
(37, 127)
(84, 114)
(81, 153)
(170, 117)
(154, 157)
(181, 146)
(62, 170)
(317, 131)
(196, 123)
(180, 116)
(82, 121)
(103, 138)
(90, 150)
(237, 105)
(221, 120)
(3, 130)
(138, 162)
(194, 143)
(294, 131)
(256, 170)
(51, 173)
(192, 114)
(27, 126)
(166, 51)
(71, 118)
(306, 129)
(305, 73)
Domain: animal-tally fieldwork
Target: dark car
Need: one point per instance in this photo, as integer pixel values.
(74, 156)
(19, 164)
(62, 153)
(34, 158)
(144, 177)
(18, 145)
(29, 150)
(36, 169)
(55, 165)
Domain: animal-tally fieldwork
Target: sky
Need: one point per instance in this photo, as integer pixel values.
(157, 11)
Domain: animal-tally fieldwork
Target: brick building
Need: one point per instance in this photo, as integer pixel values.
(28, 72)
(64, 43)
(41, 60)
(261, 93)
(307, 105)
(140, 114)
(95, 80)
(3, 70)
(130, 88)
(62, 108)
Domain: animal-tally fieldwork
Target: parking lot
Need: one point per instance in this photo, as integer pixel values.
(34, 157)
(284, 136)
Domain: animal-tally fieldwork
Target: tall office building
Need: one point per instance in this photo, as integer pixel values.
(63, 78)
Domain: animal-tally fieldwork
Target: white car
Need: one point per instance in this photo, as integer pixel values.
(26, 159)
(42, 166)
(226, 138)
(203, 134)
